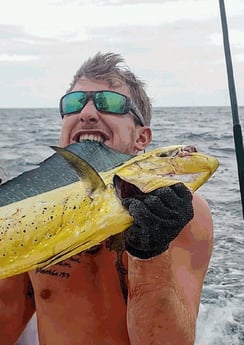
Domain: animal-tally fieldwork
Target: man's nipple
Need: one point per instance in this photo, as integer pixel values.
(45, 293)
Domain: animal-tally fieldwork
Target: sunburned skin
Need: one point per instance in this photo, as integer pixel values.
(95, 309)
(88, 302)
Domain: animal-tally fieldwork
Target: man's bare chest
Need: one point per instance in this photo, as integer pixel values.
(87, 274)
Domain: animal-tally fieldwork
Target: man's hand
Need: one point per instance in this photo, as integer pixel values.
(159, 217)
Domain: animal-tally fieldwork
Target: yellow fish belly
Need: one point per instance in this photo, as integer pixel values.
(50, 227)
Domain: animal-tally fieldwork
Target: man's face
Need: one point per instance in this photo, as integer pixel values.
(116, 131)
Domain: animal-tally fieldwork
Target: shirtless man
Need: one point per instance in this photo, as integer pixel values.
(152, 296)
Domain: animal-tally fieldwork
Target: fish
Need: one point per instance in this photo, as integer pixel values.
(44, 229)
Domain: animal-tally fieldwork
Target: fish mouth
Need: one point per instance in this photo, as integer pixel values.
(98, 136)
(179, 152)
(186, 150)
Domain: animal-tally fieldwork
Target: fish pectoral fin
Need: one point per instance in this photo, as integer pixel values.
(84, 170)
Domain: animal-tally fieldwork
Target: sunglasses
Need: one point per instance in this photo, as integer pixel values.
(109, 102)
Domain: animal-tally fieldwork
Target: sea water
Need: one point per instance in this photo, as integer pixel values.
(25, 137)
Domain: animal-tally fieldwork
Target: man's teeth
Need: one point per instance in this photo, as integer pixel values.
(91, 137)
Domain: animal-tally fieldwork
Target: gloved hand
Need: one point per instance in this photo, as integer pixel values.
(159, 217)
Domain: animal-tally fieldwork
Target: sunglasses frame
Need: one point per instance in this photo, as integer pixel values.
(129, 105)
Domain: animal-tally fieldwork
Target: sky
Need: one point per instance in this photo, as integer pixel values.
(175, 47)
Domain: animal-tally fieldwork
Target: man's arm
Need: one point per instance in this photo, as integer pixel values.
(16, 307)
(164, 291)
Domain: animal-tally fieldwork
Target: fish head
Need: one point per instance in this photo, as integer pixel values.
(163, 167)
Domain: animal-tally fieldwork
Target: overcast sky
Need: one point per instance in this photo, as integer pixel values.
(176, 47)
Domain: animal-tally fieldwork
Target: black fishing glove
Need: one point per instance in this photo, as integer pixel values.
(159, 217)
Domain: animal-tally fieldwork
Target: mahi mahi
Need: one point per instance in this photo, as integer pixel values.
(46, 228)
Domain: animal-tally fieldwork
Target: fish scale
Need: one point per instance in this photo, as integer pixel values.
(49, 227)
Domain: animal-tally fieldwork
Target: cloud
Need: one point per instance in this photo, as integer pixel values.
(175, 46)
(55, 18)
(17, 58)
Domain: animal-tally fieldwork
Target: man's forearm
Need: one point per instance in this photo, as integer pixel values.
(156, 312)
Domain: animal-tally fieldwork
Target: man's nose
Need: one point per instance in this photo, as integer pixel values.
(89, 113)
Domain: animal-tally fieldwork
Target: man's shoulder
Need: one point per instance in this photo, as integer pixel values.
(200, 228)
(192, 249)
(202, 223)
(197, 236)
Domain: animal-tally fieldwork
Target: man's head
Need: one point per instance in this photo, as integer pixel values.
(92, 109)
(111, 68)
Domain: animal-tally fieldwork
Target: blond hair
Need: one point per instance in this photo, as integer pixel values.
(111, 68)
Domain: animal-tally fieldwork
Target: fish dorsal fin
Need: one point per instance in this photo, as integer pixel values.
(81, 167)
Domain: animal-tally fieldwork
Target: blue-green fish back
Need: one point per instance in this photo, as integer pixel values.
(55, 172)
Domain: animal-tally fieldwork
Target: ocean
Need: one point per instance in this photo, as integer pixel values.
(25, 137)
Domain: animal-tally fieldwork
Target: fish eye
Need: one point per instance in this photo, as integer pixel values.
(163, 154)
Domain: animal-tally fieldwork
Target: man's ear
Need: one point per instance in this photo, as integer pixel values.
(143, 138)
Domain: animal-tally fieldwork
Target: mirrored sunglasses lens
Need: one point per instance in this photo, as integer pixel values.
(110, 102)
(73, 102)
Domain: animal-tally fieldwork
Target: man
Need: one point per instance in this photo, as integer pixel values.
(152, 294)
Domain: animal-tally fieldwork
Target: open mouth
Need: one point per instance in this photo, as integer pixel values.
(92, 137)
(98, 136)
